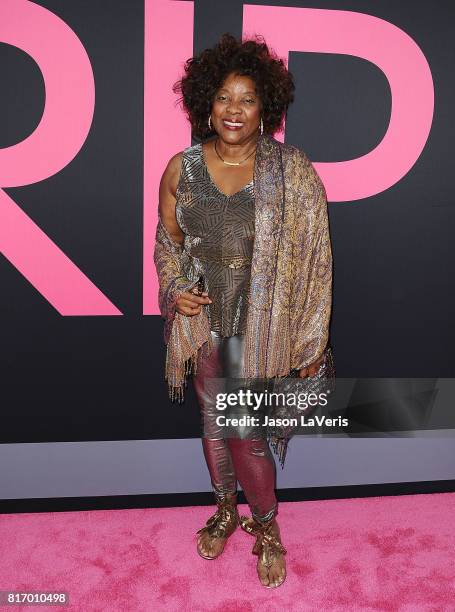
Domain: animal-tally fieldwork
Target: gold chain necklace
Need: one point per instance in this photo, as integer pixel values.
(233, 163)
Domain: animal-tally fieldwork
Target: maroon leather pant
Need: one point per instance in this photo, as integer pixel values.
(245, 457)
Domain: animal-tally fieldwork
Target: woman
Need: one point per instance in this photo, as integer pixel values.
(247, 216)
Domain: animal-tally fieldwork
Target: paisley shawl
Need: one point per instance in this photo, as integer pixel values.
(291, 275)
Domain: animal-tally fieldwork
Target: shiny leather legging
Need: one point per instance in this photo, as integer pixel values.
(245, 457)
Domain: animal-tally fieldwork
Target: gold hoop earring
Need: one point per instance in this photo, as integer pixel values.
(210, 122)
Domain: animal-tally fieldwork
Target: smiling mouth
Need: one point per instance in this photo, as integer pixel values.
(233, 125)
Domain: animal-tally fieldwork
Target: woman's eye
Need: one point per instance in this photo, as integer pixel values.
(250, 101)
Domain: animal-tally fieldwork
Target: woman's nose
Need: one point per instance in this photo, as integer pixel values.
(233, 107)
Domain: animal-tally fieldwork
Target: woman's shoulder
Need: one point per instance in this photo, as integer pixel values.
(177, 159)
(176, 163)
(188, 154)
(190, 151)
(172, 170)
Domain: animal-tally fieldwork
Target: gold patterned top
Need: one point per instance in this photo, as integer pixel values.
(221, 246)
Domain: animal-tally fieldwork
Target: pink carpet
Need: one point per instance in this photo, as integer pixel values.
(380, 553)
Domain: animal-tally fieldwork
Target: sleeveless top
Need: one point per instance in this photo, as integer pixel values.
(219, 236)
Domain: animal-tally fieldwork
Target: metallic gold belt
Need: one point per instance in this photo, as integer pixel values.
(238, 261)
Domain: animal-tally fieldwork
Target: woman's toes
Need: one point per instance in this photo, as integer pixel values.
(263, 575)
(280, 574)
(210, 547)
(272, 576)
(203, 545)
(217, 546)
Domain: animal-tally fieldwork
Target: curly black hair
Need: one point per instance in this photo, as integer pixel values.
(206, 72)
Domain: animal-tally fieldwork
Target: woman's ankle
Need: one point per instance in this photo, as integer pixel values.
(266, 517)
(226, 497)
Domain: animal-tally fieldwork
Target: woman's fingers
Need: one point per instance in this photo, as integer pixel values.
(189, 311)
(190, 304)
(198, 299)
(311, 369)
(188, 307)
(194, 291)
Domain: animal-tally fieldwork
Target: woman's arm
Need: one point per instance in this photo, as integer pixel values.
(167, 198)
(311, 284)
(174, 287)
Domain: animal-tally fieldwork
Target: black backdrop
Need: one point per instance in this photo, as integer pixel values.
(101, 378)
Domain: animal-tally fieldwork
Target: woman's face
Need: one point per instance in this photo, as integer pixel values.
(236, 110)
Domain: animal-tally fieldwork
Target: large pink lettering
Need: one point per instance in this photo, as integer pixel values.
(386, 46)
(166, 130)
(66, 120)
(69, 110)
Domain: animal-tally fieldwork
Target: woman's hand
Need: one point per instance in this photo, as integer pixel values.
(190, 304)
(311, 369)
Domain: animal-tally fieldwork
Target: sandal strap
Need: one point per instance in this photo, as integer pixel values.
(223, 523)
(267, 544)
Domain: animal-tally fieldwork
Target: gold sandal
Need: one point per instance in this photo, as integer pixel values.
(222, 524)
(267, 547)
